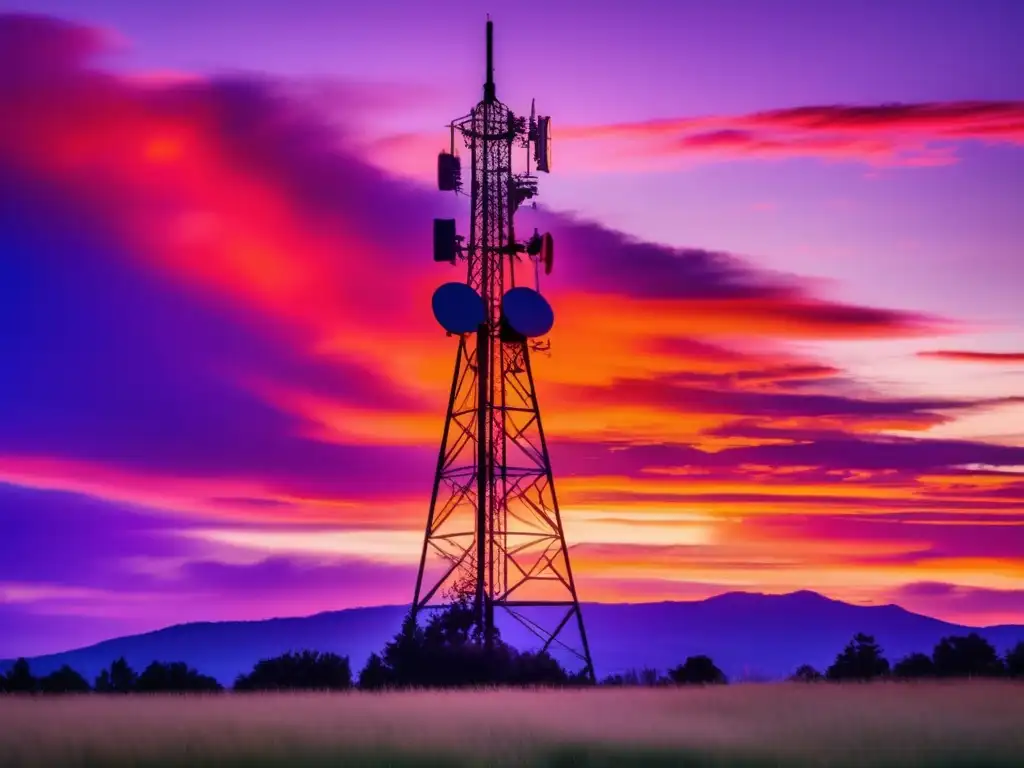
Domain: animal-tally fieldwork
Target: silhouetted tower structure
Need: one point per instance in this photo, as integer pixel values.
(494, 525)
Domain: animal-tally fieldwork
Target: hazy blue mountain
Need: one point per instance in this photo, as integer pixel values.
(750, 636)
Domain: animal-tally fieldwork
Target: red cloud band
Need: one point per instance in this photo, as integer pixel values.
(886, 134)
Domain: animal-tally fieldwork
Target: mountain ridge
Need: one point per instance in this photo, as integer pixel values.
(749, 634)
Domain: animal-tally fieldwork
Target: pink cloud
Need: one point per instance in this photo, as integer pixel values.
(996, 358)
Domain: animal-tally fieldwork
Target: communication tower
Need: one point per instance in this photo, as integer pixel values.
(494, 524)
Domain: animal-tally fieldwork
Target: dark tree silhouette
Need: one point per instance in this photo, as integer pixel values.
(966, 656)
(532, 668)
(375, 676)
(64, 680)
(697, 670)
(805, 673)
(431, 656)
(307, 670)
(651, 677)
(646, 677)
(862, 659)
(403, 656)
(578, 679)
(448, 653)
(118, 678)
(914, 666)
(1015, 660)
(175, 676)
(20, 679)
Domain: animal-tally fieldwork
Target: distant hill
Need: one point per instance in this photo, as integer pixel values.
(750, 636)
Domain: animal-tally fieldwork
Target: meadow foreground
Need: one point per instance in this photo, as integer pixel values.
(963, 723)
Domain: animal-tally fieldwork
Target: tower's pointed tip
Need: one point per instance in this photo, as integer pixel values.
(489, 90)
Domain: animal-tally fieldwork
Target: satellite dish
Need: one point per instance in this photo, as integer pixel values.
(527, 312)
(458, 308)
(547, 251)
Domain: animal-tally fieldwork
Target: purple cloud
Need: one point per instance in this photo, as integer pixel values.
(841, 452)
(672, 392)
(972, 604)
(95, 569)
(71, 540)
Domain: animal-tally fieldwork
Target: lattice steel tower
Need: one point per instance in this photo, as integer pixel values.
(494, 524)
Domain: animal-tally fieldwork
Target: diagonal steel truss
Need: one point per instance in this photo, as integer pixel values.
(526, 562)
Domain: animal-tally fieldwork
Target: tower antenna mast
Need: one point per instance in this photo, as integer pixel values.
(494, 527)
(489, 91)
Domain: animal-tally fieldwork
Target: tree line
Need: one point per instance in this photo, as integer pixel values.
(862, 659)
(446, 653)
(119, 677)
(953, 657)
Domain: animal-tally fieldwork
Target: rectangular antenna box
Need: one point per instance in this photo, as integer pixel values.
(444, 240)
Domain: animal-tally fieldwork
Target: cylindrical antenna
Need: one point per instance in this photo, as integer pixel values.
(489, 85)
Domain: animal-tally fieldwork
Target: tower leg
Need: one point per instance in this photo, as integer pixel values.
(577, 608)
(538, 588)
(437, 474)
(449, 535)
(482, 481)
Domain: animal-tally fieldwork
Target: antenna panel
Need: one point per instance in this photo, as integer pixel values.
(449, 172)
(547, 251)
(527, 312)
(542, 149)
(535, 244)
(458, 308)
(444, 240)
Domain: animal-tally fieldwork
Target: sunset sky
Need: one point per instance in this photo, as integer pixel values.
(789, 345)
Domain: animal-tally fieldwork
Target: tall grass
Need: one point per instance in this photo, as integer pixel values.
(964, 723)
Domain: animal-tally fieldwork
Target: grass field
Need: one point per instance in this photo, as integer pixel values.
(886, 724)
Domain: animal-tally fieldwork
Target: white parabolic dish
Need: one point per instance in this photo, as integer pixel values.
(528, 312)
(458, 308)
